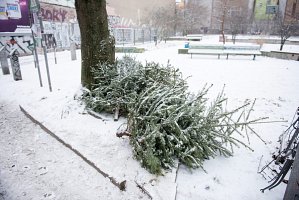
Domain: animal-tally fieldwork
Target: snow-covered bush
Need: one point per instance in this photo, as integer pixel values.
(165, 121)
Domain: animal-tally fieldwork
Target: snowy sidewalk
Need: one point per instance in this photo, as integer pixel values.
(273, 82)
(33, 165)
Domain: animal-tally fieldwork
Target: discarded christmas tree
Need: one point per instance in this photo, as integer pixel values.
(165, 121)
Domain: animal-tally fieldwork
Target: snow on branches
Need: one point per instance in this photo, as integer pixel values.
(165, 121)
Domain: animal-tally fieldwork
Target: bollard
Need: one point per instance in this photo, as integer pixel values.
(15, 65)
(73, 51)
(3, 61)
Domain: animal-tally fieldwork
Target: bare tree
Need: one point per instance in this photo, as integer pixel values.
(238, 23)
(222, 14)
(162, 19)
(285, 29)
(97, 46)
(191, 17)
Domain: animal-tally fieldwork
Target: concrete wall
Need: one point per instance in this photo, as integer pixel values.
(23, 43)
(282, 55)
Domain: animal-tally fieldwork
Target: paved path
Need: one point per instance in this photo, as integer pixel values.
(33, 165)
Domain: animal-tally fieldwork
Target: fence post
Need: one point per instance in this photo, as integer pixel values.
(73, 51)
(15, 65)
(134, 36)
(123, 31)
(3, 61)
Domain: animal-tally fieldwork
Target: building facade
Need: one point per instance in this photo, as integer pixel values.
(226, 10)
(61, 26)
(291, 11)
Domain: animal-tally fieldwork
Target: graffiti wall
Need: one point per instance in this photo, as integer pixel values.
(55, 13)
(63, 33)
(60, 24)
(13, 13)
(24, 44)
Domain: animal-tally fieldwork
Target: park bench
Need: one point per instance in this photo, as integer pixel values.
(194, 37)
(203, 49)
(216, 49)
(242, 50)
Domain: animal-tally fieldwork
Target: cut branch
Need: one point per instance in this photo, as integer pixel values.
(96, 115)
(124, 133)
(143, 190)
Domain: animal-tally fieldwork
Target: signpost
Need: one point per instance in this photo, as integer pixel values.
(35, 10)
(34, 31)
(271, 9)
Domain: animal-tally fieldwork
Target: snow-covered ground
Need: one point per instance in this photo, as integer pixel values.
(273, 82)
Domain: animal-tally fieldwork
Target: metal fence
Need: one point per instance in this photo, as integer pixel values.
(132, 35)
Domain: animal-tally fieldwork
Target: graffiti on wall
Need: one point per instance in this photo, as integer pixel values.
(56, 13)
(63, 33)
(24, 44)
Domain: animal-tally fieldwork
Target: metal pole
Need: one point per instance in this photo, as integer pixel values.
(47, 67)
(123, 37)
(45, 51)
(37, 62)
(55, 55)
(34, 59)
(54, 46)
(34, 9)
(143, 36)
(134, 36)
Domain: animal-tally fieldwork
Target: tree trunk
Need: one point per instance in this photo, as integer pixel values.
(222, 30)
(97, 46)
(281, 44)
(234, 38)
(222, 23)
